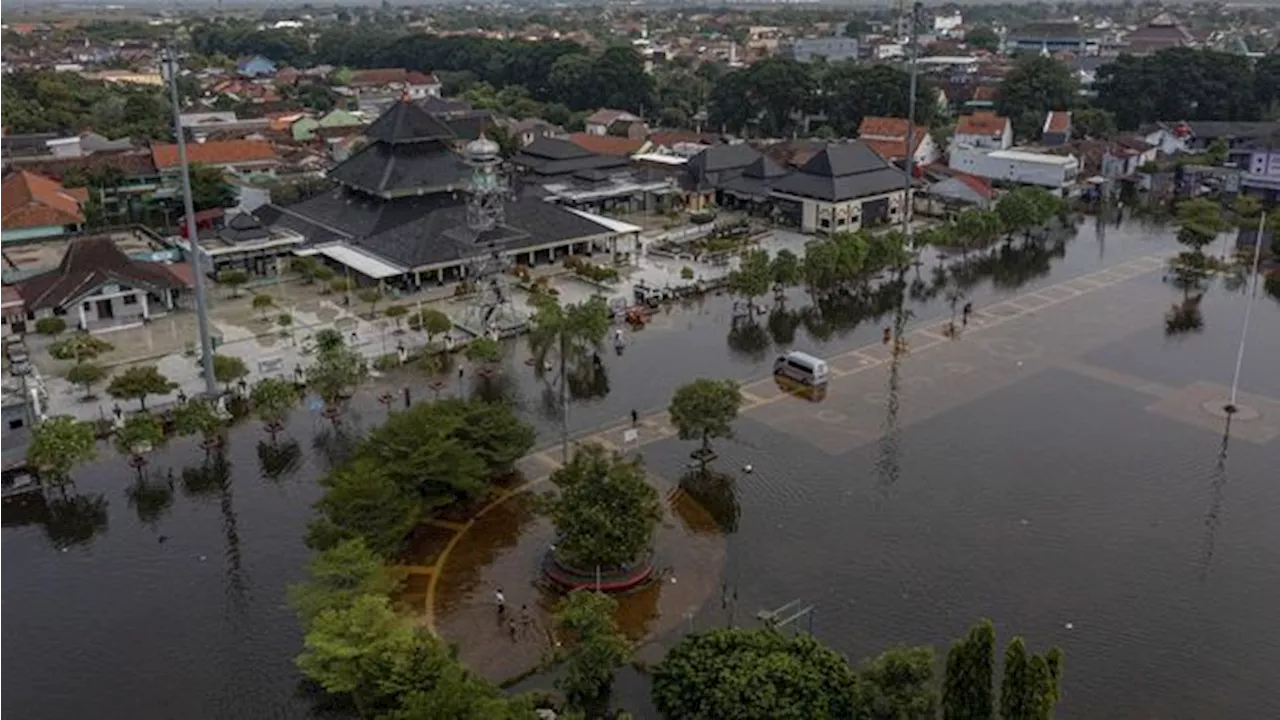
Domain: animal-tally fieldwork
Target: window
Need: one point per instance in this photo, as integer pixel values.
(16, 423)
(130, 299)
(824, 222)
(86, 306)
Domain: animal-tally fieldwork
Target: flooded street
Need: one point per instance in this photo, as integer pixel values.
(1055, 469)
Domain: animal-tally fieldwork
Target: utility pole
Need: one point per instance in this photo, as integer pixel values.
(1231, 406)
(909, 162)
(193, 237)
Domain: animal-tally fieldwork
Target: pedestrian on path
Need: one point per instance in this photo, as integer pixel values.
(635, 418)
(526, 619)
(501, 600)
(968, 310)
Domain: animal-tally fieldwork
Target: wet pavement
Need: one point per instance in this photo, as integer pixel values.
(1087, 486)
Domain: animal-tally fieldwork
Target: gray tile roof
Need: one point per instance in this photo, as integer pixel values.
(842, 172)
(549, 157)
(406, 122)
(389, 169)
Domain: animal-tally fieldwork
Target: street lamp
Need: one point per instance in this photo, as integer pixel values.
(193, 237)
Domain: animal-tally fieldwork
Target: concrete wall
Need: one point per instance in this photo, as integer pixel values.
(845, 216)
(984, 164)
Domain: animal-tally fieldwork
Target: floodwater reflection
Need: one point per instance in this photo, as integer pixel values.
(67, 520)
(278, 458)
(716, 494)
(748, 339)
(150, 497)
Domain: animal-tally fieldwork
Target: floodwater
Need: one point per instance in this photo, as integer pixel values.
(1052, 499)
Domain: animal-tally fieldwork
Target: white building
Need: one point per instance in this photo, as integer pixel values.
(983, 130)
(1054, 172)
(946, 24)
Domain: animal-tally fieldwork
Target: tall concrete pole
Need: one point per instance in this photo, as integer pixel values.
(193, 237)
(1248, 312)
(909, 163)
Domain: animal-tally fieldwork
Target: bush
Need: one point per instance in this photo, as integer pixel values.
(387, 362)
(81, 346)
(589, 270)
(686, 273)
(51, 325)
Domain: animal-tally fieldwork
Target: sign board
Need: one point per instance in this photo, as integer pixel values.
(631, 437)
(270, 366)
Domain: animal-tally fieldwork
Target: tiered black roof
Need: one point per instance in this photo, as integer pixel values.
(842, 172)
(410, 153)
(549, 158)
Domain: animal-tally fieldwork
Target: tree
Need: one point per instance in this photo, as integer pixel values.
(263, 303)
(1035, 86)
(977, 228)
(1246, 208)
(785, 269)
(136, 383)
(896, 685)
(1199, 222)
(372, 296)
(338, 576)
(396, 312)
(753, 276)
(1016, 212)
(1031, 685)
(198, 416)
(139, 435)
(484, 351)
(705, 409)
(272, 398)
(210, 189)
(335, 372)
(566, 333)
(87, 374)
(597, 647)
(982, 37)
(51, 325)
(228, 369)
(234, 279)
(967, 690)
(79, 346)
(339, 285)
(361, 500)
(1179, 83)
(325, 274)
(346, 648)
(306, 268)
(58, 444)
(604, 511)
(752, 675)
(1093, 123)
(432, 322)
(449, 450)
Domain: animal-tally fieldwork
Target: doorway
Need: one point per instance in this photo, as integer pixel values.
(105, 311)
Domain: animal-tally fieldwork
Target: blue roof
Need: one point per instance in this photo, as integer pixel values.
(256, 66)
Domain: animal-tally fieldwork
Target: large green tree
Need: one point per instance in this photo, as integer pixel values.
(752, 674)
(338, 576)
(1179, 84)
(1200, 220)
(563, 336)
(705, 409)
(361, 500)
(139, 382)
(596, 649)
(210, 189)
(1031, 685)
(1035, 86)
(58, 444)
(898, 684)
(753, 276)
(603, 509)
(967, 691)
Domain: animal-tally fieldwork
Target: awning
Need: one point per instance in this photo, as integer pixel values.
(614, 225)
(362, 262)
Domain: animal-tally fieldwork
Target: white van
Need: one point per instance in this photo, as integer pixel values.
(802, 367)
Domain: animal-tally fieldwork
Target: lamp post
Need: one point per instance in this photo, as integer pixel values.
(909, 161)
(193, 237)
(1231, 406)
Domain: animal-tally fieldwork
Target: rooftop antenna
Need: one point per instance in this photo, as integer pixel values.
(193, 235)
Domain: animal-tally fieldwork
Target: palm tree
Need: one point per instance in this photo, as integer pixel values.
(568, 333)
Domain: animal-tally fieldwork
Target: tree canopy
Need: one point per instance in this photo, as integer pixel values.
(1184, 84)
(58, 444)
(138, 382)
(705, 409)
(66, 103)
(596, 648)
(1035, 86)
(604, 510)
(749, 674)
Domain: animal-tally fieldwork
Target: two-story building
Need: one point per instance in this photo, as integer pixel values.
(983, 131)
(1047, 37)
(38, 207)
(887, 136)
(845, 187)
(1054, 172)
(1259, 163)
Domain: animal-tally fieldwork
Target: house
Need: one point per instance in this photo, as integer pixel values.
(1259, 161)
(1055, 172)
(835, 49)
(416, 85)
(1047, 37)
(845, 187)
(957, 190)
(99, 287)
(887, 136)
(37, 207)
(1162, 32)
(237, 156)
(1057, 128)
(256, 67)
(600, 121)
(710, 168)
(983, 130)
(984, 98)
(548, 159)
(306, 128)
(530, 129)
(608, 144)
(399, 213)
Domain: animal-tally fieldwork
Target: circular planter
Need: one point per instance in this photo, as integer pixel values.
(613, 581)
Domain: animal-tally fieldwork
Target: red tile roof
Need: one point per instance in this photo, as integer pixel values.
(225, 152)
(390, 76)
(607, 144)
(883, 126)
(982, 186)
(31, 200)
(985, 93)
(1058, 121)
(981, 123)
